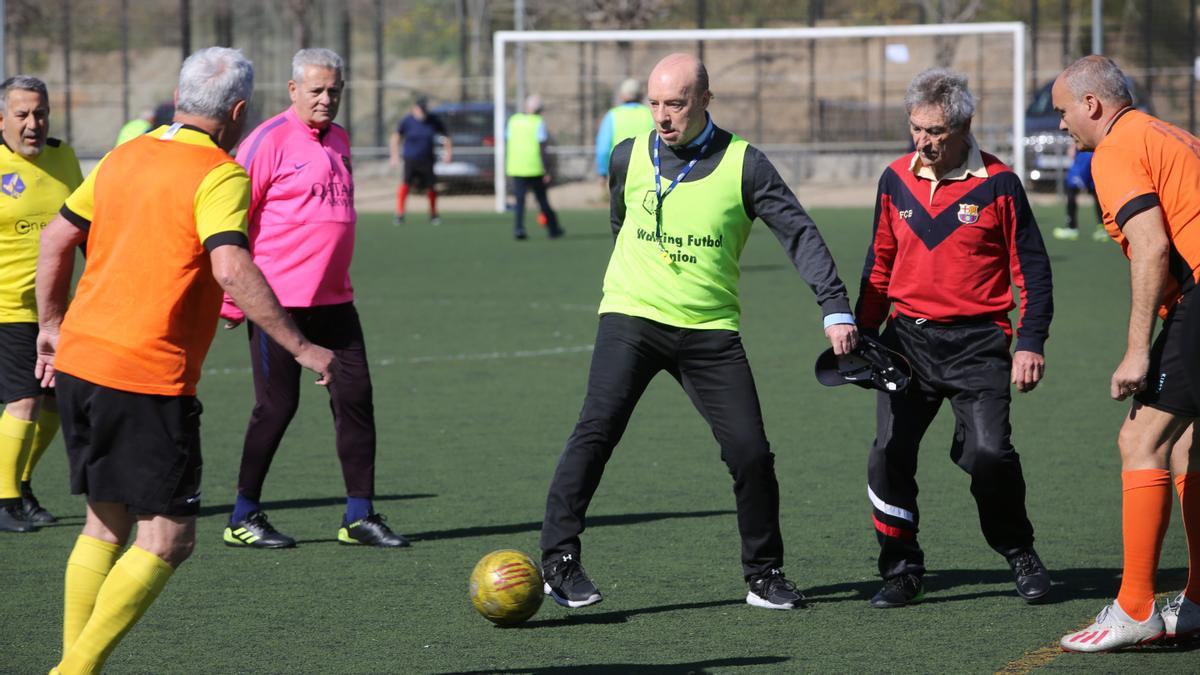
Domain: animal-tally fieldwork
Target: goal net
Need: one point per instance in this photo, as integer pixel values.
(825, 103)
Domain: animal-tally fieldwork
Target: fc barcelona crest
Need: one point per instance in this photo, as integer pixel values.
(968, 213)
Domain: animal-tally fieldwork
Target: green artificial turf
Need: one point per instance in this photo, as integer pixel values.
(480, 349)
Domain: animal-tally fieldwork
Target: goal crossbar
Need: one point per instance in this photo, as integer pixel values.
(501, 39)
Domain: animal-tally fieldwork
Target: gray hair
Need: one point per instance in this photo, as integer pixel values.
(1100, 76)
(212, 80)
(944, 88)
(316, 58)
(24, 83)
(630, 90)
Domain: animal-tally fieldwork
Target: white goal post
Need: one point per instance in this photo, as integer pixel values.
(501, 40)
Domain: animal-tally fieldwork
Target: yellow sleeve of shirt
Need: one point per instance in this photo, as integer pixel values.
(69, 172)
(82, 201)
(222, 201)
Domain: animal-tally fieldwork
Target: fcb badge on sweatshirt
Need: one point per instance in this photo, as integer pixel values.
(968, 213)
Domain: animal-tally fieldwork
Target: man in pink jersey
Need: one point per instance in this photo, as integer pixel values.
(302, 224)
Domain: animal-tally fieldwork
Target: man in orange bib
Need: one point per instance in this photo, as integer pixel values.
(126, 357)
(1147, 175)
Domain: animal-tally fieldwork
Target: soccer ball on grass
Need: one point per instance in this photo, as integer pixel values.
(506, 587)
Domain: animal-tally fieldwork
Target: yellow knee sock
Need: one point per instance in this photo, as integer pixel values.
(43, 433)
(15, 437)
(89, 564)
(131, 587)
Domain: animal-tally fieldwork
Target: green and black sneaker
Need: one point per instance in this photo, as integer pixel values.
(256, 532)
(370, 531)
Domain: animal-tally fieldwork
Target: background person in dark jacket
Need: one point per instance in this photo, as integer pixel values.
(417, 133)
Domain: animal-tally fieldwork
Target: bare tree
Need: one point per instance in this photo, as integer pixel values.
(622, 15)
(24, 19)
(948, 11)
(305, 12)
(477, 17)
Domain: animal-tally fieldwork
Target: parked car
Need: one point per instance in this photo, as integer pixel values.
(469, 126)
(1048, 153)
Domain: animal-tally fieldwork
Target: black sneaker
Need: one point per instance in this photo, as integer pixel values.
(370, 531)
(34, 512)
(772, 590)
(899, 591)
(1032, 579)
(399, 220)
(256, 532)
(567, 582)
(12, 519)
(520, 235)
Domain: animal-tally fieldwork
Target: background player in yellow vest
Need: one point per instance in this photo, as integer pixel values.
(137, 126)
(36, 175)
(629, 118)
(161, 245)
(671, 303)
(525, 163)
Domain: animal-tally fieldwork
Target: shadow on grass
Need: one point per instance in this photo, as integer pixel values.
(696, 667)
(578, 618)
(1166, 647)
(534, 526)
(307, 503)
(1099, 583)
(575, 236)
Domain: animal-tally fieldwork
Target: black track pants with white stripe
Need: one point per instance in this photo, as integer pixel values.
(968, 364)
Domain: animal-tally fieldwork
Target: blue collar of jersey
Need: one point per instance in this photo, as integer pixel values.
(703, 138)
(707, 133)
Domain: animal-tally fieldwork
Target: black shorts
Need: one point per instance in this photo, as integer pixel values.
(18, 353)
(140, 450)
(1174, 374)
(418, 173)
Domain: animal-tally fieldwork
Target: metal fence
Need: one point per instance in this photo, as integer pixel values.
(105, 60)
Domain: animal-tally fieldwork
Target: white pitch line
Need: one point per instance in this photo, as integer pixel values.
(484, 356)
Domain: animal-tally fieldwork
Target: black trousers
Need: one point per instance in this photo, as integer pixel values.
(712, 367)
(277, 396)
(520, 187)
(1073, 207)
(970, 365)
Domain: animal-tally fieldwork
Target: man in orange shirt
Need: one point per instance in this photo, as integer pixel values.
(1147, 175)
(164, 221)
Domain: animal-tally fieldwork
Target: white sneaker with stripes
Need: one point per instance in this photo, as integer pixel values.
(1181, 617)
(1114, 629)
